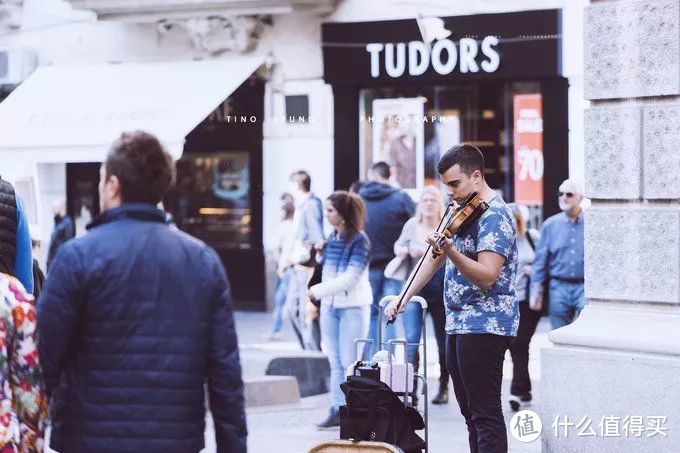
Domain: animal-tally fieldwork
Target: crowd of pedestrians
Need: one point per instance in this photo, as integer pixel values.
(135, 344)
(395, 231)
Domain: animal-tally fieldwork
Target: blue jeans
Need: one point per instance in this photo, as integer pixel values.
(339, 328)
(381, 287)
(280, 295)
(565, 303)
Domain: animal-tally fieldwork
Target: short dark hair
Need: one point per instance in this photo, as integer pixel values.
(467, 156)
(302, 179)
(382, 169)
(144, 169)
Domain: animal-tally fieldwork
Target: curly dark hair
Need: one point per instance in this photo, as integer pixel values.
(143, 167)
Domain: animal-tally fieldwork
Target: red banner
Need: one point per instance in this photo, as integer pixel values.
(528, 114)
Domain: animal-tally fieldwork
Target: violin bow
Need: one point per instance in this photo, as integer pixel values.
(411, 278)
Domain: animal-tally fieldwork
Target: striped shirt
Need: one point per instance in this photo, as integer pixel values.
(345, 271)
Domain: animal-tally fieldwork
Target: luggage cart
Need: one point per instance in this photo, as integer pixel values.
(422, 344)
(367, 446)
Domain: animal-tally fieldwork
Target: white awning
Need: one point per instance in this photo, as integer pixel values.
(73, 113)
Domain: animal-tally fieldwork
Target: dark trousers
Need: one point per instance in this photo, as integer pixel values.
(433, 293)
(439, 321)
(519, 349)
(475, 362)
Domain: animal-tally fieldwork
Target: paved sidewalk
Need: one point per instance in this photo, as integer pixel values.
(290, 428)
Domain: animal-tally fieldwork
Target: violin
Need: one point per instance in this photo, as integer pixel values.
(460, 221)
(455, 222)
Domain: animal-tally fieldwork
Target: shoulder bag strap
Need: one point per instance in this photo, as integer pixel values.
(530, 239)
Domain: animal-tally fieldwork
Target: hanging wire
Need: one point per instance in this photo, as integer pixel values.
(500, 41)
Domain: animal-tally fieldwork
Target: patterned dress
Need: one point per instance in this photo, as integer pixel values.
(469, 309)
(23, 404)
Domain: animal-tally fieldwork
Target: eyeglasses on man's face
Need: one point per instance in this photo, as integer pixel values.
(566, 194)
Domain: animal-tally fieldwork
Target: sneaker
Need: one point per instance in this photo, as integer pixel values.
(520, 402)
(332, 421)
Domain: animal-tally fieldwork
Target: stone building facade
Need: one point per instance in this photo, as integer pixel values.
(621, 358)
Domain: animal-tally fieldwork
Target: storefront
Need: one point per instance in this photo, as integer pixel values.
(56, 127)
(407, 90)
(218, 191)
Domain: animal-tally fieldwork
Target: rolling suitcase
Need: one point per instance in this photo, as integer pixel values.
(397, 377)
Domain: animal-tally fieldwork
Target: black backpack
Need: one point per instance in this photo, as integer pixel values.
(374, 412)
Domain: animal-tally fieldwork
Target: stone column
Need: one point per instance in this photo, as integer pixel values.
(621, 358)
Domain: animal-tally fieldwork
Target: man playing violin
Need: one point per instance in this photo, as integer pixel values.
(482, 311)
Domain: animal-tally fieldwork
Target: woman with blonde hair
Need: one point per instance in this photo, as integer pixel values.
(344, 292)
(410, 247)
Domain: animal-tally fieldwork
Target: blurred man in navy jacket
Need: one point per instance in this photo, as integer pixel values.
(135, 318)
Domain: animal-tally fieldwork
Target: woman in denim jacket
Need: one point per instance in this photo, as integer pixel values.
(344, 291)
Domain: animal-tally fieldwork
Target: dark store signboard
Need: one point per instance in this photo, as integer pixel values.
(483, 46)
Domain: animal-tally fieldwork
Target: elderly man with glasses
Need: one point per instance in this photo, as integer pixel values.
(559, 259)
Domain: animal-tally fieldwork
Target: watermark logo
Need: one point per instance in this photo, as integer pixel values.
(611, 426)
(526, 426)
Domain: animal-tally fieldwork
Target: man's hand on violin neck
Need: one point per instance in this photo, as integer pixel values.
(439, 242)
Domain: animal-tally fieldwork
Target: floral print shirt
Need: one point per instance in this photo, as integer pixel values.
(23, 404)
(496, 310)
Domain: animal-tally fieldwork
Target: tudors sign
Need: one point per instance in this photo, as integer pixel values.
(443, 55)
(474, 48)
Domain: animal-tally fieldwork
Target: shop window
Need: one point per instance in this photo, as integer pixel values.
(395, 129)
(213, 198)
(434, 118)
(82, 193)
(297, 108)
